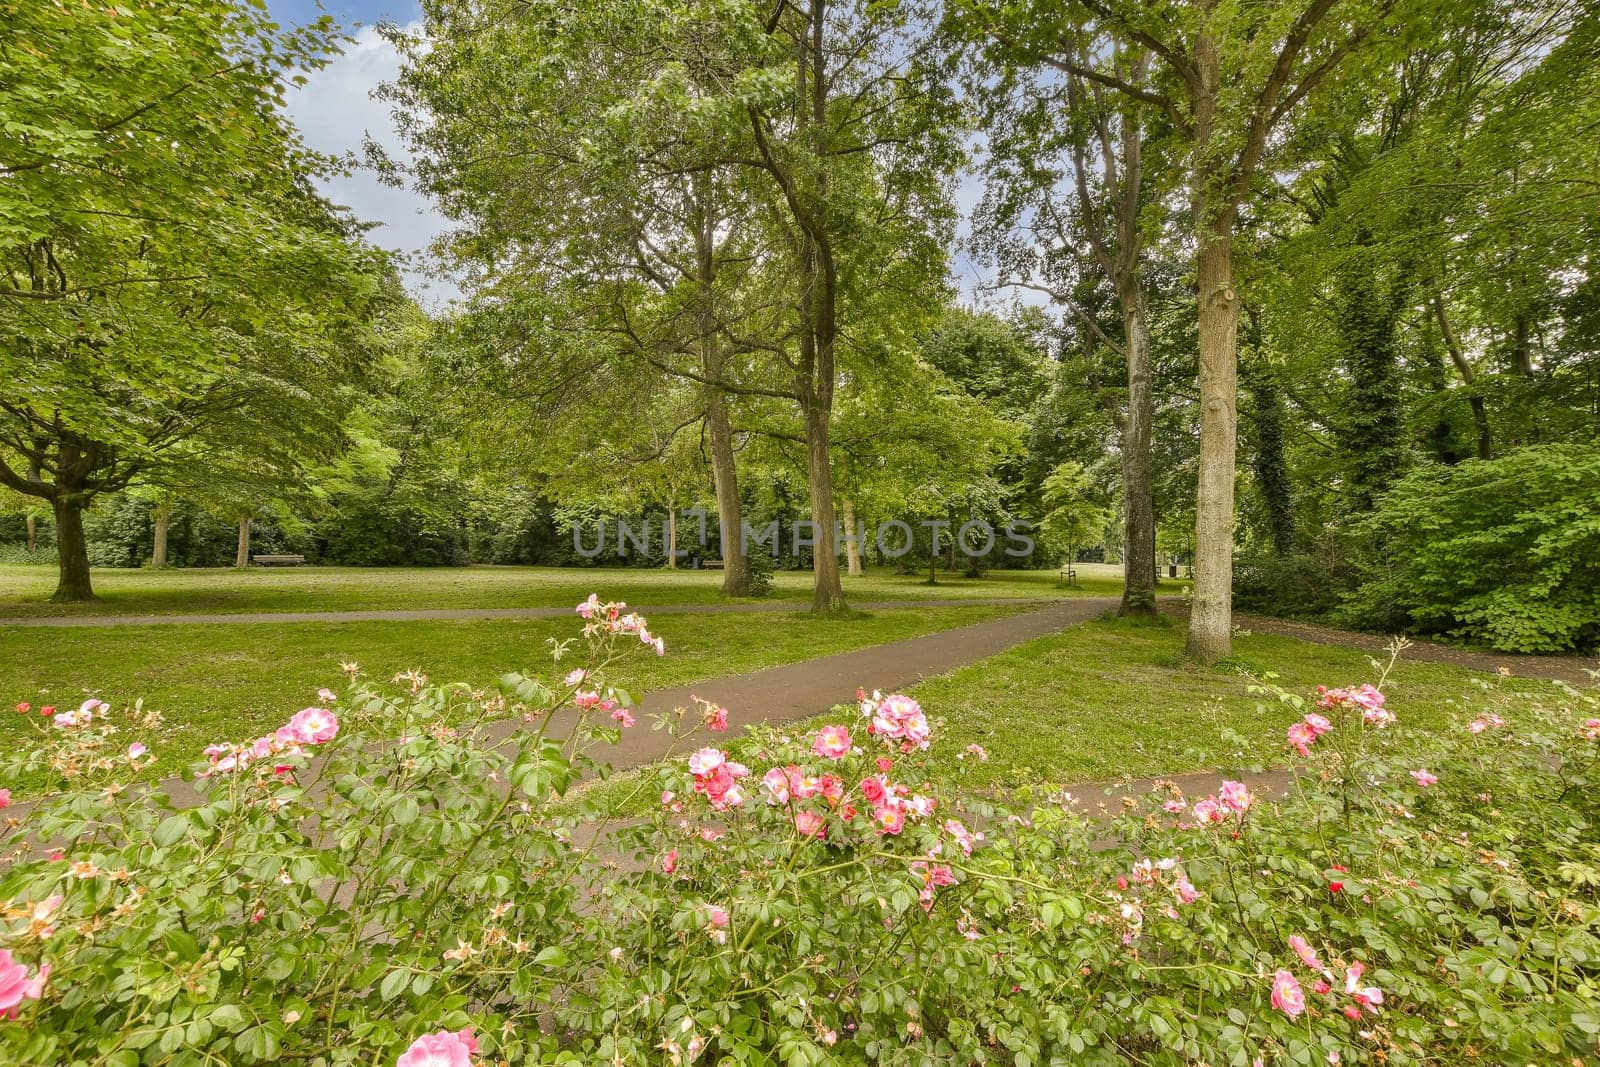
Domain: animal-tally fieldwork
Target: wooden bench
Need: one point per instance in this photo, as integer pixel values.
(711, 565)
(278, 561)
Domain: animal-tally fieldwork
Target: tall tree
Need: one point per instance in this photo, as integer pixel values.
(620, 213)
(1230, 75)
(168, 275)
(1066, 198)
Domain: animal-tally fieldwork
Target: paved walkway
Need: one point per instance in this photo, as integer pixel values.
(453, 614)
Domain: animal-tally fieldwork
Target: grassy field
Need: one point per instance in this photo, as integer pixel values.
(25, 590)
(1115, 698)
(220, 682)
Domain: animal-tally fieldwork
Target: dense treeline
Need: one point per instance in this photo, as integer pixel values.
(1297, 292)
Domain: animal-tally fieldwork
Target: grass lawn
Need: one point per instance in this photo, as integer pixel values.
(25, 589)
(1114, 698)
(222, 682)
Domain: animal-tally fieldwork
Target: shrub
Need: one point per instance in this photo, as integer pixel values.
(1503, 552)
(1302, 585)
(1412, 900)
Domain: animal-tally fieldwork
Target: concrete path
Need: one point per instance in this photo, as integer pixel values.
(453, 614)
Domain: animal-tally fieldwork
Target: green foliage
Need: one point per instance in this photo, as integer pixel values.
(337, 898)
(1502, 552)
(1299, 584)
(1074, 514)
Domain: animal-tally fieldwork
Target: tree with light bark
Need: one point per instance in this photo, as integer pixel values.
(1226, 78)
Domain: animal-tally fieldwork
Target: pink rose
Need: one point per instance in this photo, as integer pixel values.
(810, 824)
(1307, 954)
(832, 742)
(16, 986)
(1235, 796)
(622, 716)
(1424, 778)
(1301, 736)
(446, 1048)
(669, 862)
(5, 798)
(1287, 996)
(1591, 729)
(314, 726)
(1317, 723)
(706, 761)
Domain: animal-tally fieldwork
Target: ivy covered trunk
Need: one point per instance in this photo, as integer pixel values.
(1372, 435)
(72, 549)
(1270, 465)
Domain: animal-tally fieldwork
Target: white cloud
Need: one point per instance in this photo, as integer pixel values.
(335, 111)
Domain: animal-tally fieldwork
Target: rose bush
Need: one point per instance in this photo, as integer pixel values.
(824, 896)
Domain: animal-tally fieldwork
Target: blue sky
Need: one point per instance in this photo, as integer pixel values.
(295, 12)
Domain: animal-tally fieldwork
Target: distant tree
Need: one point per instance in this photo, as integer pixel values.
(170, 285)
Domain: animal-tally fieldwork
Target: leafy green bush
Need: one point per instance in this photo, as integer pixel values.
(1502, 552)
(1302, 585)
(332, 899)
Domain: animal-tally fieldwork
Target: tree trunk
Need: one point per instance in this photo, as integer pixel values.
(1469, 377)
(1371, 435)
(725, 476)
(242, 559)
(1271, 467)
(33, 533)
(852, 544)
(1211, 618)
(1139, 522)
(719, 431)
(672, 537)
(158, 551)
(72, 550)
(828, 591)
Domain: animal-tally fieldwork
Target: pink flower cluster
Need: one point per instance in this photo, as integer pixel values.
(832, 742)
(307, 727)
(446, 1048)
(895, 718)
(1489, 721)
(892, 804)
(934, 876)
(16, 985)
(1305, 732)
(1289, 998)
(717, 777)
(1365, 697)
(1156, 874)
(82, 716)
(608, 618)
(1231, 801)
(1591, 729)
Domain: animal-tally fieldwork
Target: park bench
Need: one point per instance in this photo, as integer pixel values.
(711, 564)
(277, 561)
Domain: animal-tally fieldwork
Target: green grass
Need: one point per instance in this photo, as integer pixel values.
(231, 682)
(1114, 698)
(25, 590)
